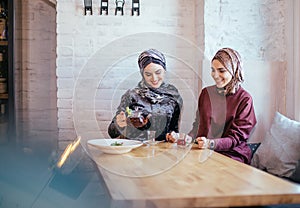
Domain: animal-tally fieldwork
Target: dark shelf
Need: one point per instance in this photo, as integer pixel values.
(7, 49)
(3, 96)
(3, 43)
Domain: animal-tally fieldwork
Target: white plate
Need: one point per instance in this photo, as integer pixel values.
(105, 145)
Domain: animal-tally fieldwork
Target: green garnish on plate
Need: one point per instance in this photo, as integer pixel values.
(116, 144)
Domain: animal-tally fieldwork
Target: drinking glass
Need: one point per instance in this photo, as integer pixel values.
(181, 140)
(151, 137)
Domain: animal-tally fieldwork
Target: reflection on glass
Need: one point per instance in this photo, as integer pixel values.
(69, 149)
(204, 155)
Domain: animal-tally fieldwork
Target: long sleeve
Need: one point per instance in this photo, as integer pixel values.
(114, 130)
(205, 114)
(228, 120)
(175, 120)
(195, 126)
(239, 126)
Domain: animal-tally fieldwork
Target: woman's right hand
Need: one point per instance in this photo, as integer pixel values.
(171, 137)
(202, 142)
(121, 119)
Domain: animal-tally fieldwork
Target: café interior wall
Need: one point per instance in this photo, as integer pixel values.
(93, 40)
(35, 78)
(80, 37)
(259, 30)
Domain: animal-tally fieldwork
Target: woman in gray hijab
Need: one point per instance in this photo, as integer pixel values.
(151, 105)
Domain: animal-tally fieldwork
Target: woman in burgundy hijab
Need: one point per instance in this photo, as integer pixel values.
(225, 115)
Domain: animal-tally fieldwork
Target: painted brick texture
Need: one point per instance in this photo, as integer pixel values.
(100, 53)
(97, 59)
(35, 74)
(97, 55)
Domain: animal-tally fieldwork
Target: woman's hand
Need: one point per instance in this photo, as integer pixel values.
(171, 137)
(138, 122)
(121, 119)
(202, 142)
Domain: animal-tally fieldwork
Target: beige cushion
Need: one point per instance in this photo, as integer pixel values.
(279, 152)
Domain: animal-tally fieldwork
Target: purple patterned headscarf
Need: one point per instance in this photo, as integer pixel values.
(151, 56)
(231, 60)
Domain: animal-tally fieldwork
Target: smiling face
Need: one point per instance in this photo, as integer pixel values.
(220, 74)
(154, 75)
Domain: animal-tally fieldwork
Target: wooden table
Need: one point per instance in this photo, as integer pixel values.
(167, 176)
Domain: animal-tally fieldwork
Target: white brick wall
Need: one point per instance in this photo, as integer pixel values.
(96, 55)
(35, 85)
(258, 30)
(87, 46)
(255, 28)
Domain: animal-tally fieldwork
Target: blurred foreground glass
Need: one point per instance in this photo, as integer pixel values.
(204, 154)
(151, 137)
(183, 139)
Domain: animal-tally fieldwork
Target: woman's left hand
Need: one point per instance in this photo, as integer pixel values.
(202, 142)
(121, 119)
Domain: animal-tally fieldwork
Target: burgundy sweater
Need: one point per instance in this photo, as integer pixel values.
(228, 120)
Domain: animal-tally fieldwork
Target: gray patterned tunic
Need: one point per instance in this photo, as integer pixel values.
(163, 104)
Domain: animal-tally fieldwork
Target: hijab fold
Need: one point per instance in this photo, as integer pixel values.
(151, 56)
(158, 95)
(231, 60)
